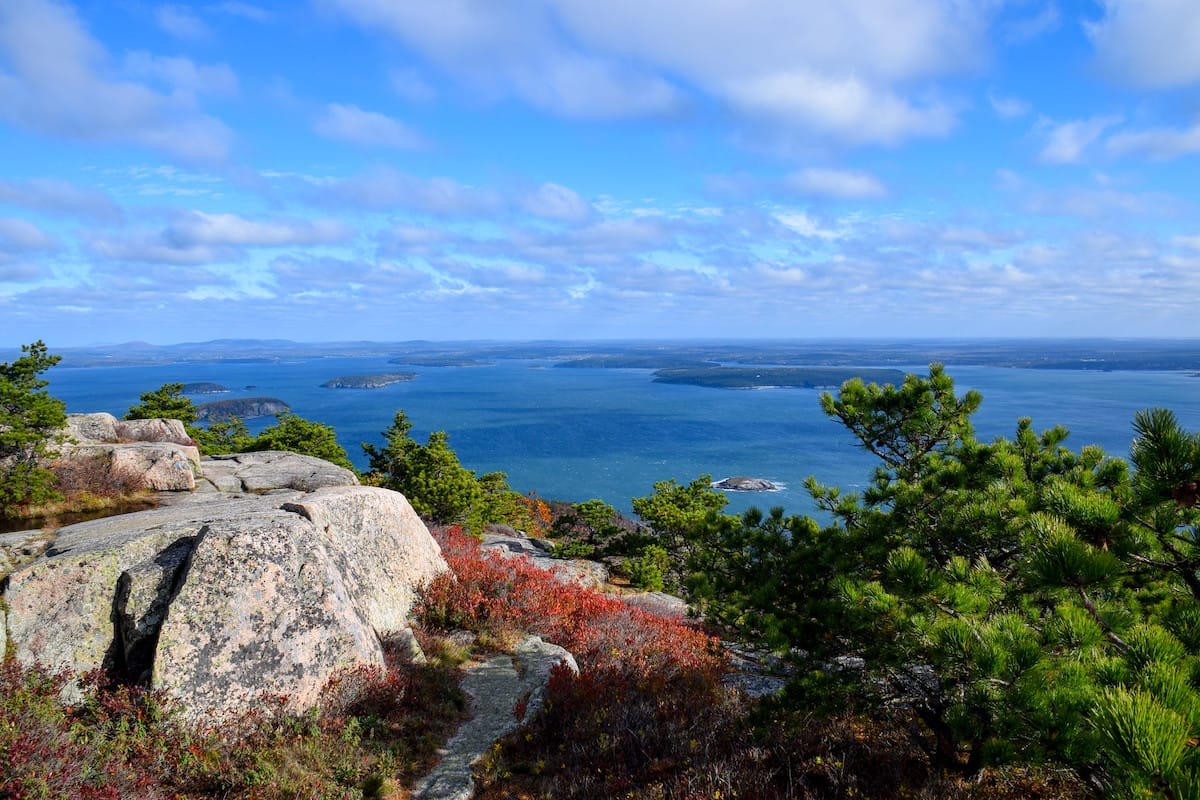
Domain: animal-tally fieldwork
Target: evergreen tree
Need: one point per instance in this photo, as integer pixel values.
(227, 436)
(31, 424)
(429, 475)
(497, 503)
(299, 435)
(391, 465)
(165, 402)
(674, 513)
(438, 486)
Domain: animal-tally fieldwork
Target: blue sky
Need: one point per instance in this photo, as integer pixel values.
(463, 169)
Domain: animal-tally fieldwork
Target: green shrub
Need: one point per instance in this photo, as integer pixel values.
(648, 569)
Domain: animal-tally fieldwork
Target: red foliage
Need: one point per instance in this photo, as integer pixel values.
(504, 596)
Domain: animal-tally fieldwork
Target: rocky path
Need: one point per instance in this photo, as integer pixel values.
(498, 688)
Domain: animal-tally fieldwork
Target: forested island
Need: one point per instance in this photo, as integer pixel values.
(377, 381)
(242, 408)
(204, 387)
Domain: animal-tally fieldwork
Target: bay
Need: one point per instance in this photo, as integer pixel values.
(574, 434)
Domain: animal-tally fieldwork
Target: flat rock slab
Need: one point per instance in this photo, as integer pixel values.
(271, 469)
(498, 688)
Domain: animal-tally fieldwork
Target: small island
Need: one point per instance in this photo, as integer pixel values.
(377, 381)
(204, 387)
(741, 483)
(242, 408)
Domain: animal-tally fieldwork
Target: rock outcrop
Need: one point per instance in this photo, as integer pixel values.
(270, 469)
(514, 544)
(159, 451)
(222, 598)
(152, 430)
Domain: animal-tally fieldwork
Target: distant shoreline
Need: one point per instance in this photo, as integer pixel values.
(1166, 355)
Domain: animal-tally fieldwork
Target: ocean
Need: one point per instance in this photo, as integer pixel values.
(575, 434)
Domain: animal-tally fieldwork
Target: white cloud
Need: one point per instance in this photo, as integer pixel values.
(1025, 29)
(340, 276)
(1160, 144)
(1149, 43)
(20, 272)
(20, 236)
(182, 73)
(850, 71)
(59, 197)
(1008, 107)
(181, 23)
(556, 202)
(505, 49)
(153, 250)
(844, 107)
(837, 183)
(199, 228)
(385, 188)
(1065, 142)
(366, 128)
(1100, 202)
(200, 238)
(804, 225)
(56, 79)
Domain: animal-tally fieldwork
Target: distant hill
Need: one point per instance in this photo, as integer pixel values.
(763, 377)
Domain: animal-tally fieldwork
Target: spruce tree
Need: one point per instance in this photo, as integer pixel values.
(31, 425)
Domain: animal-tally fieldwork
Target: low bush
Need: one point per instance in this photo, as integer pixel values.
(377, 729)
(96, 476)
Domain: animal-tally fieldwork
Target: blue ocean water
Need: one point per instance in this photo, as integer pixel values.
(574, 434)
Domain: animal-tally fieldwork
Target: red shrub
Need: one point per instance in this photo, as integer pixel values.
(501, 596)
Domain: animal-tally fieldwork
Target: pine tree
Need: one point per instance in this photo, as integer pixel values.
(165, 402)
(31, 424)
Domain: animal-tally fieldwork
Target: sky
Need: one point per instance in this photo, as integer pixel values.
(334, 170)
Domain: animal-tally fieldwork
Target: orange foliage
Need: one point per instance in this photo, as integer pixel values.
(541, 516)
